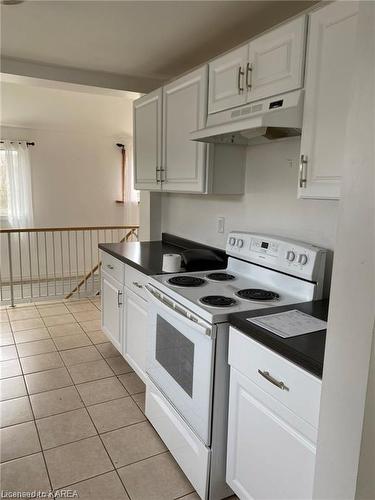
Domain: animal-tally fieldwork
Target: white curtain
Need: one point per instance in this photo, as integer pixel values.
(17, 164)
(131, 196)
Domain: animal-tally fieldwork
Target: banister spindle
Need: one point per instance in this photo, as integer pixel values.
(77, 264)
(62, 263)
(20, 258)
(54, 261)
(92, 262)
(84, 258)
(10, 270)
(46, 262)
(30, 265)
(38, 263)
(69, 262)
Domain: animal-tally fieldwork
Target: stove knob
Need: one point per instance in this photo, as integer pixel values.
(302, 259)
(290, 255)
(232, 241)
(240, 243)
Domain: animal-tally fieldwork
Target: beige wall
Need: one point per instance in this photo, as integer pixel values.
(269, 205)
(75, 163)
(75, 166)
(76, 177)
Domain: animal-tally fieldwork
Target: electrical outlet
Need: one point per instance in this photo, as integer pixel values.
(220, 224)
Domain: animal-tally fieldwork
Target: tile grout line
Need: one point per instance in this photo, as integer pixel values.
(33, 414)
(84, 406)
(93, 423)
(95, 427)
(74, 385)
(37, 431)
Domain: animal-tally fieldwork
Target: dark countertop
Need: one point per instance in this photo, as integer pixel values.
(147, 256)
(307, 351)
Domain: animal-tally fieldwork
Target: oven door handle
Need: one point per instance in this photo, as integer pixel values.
(176, 310)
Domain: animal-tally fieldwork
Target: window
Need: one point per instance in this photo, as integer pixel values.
(15, 185)
(4, 186)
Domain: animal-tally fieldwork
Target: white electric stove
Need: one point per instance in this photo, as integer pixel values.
(186, 397)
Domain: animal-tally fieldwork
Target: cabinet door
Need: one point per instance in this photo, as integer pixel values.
(330, 56)
(111, 292)
(136, 324)
(266, 457)
(276, 61)
(147, 116)
(226, 79)
(184, 110)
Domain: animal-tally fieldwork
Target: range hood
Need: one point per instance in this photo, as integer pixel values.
(260, 122)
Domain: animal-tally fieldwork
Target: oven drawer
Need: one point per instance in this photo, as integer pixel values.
(303, 394)
(189, 452)
(114, 267)
(136, 281)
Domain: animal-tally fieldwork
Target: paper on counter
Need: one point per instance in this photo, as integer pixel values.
(289, 323)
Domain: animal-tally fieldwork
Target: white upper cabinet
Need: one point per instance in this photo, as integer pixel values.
(226, 80)
(269, 65)
(276, 61)
(147, 116)
(184, 110)
(330, 56)
(165, 159)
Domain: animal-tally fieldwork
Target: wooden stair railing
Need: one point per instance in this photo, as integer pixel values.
(51, 261)
(95, 268)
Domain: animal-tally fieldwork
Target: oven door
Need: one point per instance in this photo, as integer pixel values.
(180, 360)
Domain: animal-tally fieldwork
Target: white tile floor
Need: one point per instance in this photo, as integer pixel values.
(72, 411)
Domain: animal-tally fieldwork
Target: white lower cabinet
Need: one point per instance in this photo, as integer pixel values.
(125, 311)
(112, 307)
(135, 330)
(271, 449)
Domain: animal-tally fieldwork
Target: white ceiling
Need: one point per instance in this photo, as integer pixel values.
(150, 39)
(38, 107)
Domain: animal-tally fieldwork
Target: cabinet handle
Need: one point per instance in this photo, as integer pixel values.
(138, 285)
(110, 266)
(303, 171)
(160, 178)
(157, 170)
(239, 78)
(249, 73)
(273, 381)
(119, 295)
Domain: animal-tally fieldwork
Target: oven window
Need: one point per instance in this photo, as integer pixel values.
(175, 353)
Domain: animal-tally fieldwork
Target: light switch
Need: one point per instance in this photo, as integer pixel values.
(220, 224)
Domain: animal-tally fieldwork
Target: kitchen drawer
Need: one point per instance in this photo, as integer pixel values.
(302, 392)
(135, 280)
(189, 452)
(114, 267)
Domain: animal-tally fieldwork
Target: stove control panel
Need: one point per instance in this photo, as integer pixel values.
(283, 254)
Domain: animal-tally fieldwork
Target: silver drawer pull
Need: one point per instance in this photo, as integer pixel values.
(273, 381)
(303, 171)
(110, 266)
(240, 80)
(119, 295)
(138, 285)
